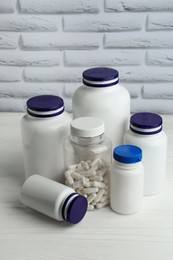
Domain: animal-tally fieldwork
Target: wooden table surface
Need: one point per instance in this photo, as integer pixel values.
(28, 235)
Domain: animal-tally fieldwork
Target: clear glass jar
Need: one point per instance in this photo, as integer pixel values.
(87, 142)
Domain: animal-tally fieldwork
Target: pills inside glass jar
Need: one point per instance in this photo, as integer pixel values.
(91, 179)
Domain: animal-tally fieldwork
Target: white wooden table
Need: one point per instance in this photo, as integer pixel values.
(28, 235)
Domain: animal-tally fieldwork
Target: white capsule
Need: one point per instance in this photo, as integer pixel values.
(85, 182)
(96, 164)
(86, 168)
(90, 207)
(88, 173)
(98, 184)
(102, 204)
(76, 175)
(91, 197)
(99, 195)
(78, 184)
(79, 168)
(96, 178)
(68, 177)
(104, 198)
(90, 190)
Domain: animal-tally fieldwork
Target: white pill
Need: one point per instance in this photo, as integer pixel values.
(98, 184)
(96, 178)
(76, 175)
(90, 190)
(102, 204)
(99, 195)
(91, 197)
(86, 168)
(78, 184)
(90, 207)
(103, 198)
(85, 182)
(68, 177)
(79, 168)
(88, 173)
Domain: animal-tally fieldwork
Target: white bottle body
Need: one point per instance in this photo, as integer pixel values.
(111, 104)
(154, 149)
(126, 187)
(45, 196)
(43, 140)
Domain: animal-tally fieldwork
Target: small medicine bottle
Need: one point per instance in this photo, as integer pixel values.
(102, 96)
(126, 181)
(146, 132)
(53, 199)
(44, 129)
(87, 143)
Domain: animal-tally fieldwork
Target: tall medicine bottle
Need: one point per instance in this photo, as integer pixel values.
(44, 129)
(102, 96)
(146, 132)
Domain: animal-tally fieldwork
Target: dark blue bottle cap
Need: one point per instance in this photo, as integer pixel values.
(75, 210)
(127, 154)
(45, 106)
(146, 123)
(100, 77)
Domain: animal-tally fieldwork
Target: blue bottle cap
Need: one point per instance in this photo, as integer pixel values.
(74, 211)
(100, 77)
(146, 123)
(127, 154)
(45, 106)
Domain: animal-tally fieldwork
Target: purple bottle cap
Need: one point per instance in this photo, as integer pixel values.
(100, 77)
(75, 210)
(146, 123)
(45, 106)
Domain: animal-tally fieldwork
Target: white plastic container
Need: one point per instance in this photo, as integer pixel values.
(103, 97)
(53, 199)
(127, 179)
(146, 132)
(44, 129)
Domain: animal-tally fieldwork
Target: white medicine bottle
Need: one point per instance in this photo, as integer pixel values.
(53, 199)
(44, 129)
(102, 96)
(146, 132)
(127, 179)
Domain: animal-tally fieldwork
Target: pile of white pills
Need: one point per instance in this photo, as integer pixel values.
(91, 179)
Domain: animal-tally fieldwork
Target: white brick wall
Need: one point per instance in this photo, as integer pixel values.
(46, 44)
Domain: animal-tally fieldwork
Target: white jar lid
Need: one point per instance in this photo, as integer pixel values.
(87, 127)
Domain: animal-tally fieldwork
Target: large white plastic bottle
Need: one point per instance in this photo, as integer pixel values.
(44, 129)
(102, 96)
(146, 132)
